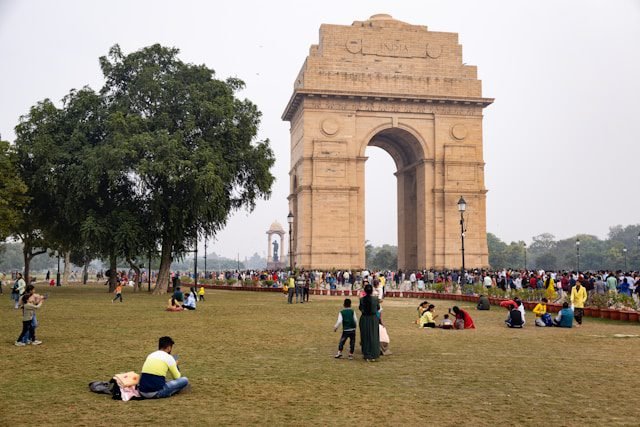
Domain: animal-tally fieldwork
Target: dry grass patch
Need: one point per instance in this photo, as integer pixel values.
(253, 359)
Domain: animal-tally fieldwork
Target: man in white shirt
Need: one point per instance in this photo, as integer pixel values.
(487, 282)
(189, 301)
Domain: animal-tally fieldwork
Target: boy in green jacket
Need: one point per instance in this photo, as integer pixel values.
(348, 319)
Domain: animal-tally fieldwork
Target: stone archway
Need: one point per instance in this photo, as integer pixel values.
(402, 88)
(408, 154)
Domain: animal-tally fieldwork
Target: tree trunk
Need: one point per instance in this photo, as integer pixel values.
(162, 280)
(113, 272)
(67, 268)
(134, 267)
(85, 274)
(26, 256)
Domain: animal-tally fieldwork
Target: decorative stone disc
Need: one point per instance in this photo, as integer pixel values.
(330, 126)
(354, 45)
(434, 50)
(459, 131)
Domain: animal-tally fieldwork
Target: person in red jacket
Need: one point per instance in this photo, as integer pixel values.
(463, 319)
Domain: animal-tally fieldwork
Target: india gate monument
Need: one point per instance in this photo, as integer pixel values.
(397, 86)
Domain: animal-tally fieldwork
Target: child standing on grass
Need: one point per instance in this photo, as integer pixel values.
(118, 293)
(201, 293)
(28, 334)
(346, 317)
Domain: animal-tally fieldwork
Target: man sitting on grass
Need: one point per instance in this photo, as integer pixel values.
(483, 303)
(153, 384)
(564, 319)
(189, 301)
(514, 320)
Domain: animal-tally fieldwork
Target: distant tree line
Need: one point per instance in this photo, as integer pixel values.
(383, 257)
(592, 253)
(11, 260)
(156, 159)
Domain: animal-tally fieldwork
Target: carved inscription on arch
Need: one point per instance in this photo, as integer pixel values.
(394, 48)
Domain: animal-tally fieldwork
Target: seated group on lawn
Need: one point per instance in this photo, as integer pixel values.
(180, 301)
(516, 319)
(427, 318)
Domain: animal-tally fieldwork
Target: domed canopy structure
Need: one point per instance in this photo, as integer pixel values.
(276, 228)
(275, 248)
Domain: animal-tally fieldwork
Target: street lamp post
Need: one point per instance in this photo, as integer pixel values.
(625, 259)
(205, 256)
(290, 221)
(462, 206)
(578, 253)
(58, 272)
(195, 264)
(525, 256)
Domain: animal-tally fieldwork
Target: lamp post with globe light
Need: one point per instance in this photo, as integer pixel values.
(462, 207)
(290, 221)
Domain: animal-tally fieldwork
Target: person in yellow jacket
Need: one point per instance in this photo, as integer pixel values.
(578, 298)
(550, 289)
(201, 293)
(291, 289)
(539, 310)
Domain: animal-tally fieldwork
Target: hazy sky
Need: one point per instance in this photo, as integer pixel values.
(561, 141)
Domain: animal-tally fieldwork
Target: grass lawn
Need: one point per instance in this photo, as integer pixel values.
(253, 359)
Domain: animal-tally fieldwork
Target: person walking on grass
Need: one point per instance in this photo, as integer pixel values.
(118, 292)
(19, 287)
(348, 319)
(201, 293)
(578, 298)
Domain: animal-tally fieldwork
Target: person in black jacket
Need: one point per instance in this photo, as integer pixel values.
(515, 318)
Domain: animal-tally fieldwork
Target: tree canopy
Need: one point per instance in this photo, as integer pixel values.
(162, 154)
(195, 154)
(12, 191)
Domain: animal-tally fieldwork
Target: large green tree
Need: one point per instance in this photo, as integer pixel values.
(38, 149)
(80, 173)
(195, 153)
(12, 191)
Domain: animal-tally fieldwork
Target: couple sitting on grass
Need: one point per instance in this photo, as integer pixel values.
(180, 301)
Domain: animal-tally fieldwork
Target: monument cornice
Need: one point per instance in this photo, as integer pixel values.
(300, 94)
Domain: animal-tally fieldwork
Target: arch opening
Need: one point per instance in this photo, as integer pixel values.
(407, 154)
